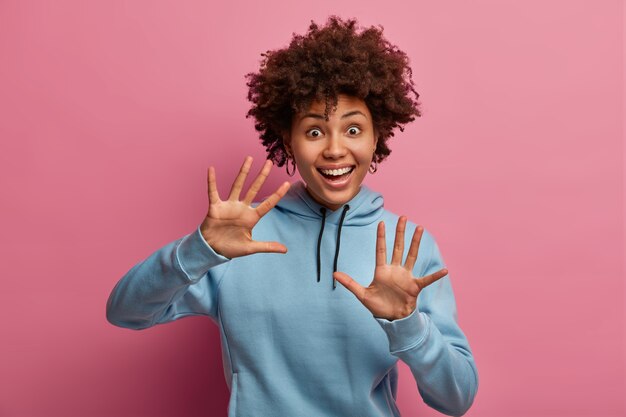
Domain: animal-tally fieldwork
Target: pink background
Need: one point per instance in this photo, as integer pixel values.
(111, 112)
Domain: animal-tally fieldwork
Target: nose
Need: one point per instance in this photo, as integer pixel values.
(335, 147)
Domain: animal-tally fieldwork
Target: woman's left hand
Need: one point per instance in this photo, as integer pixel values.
(393, 292)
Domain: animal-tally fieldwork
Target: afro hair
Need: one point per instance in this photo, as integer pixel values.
(335, 59)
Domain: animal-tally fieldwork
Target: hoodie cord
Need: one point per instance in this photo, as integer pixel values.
(343, 215)
(319, 242)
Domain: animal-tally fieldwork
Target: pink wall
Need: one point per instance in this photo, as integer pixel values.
(111, 112)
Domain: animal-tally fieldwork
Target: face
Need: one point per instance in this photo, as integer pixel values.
(333, 156)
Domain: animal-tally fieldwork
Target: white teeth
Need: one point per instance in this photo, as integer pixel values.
(336, 172)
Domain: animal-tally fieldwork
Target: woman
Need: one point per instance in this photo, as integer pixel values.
(294, 342)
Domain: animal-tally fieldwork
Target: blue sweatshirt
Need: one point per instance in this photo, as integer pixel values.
(294, 341)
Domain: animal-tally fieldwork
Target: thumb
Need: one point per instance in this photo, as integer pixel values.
(429, 279)
(267, 247)
(352, 286)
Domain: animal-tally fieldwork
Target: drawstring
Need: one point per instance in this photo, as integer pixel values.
(343, 215)
(319, 242)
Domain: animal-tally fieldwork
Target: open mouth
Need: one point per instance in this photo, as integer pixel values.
(336, 175)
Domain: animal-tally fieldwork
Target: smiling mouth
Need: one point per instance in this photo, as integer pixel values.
(336, 174)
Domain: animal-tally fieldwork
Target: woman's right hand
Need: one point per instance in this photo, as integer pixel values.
(227, 227)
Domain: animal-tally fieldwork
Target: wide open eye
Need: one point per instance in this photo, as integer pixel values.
(314, 133)
(354, 130)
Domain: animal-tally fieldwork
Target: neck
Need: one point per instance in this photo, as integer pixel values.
(329, 206)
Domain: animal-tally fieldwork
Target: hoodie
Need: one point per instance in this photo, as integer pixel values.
(294, 341)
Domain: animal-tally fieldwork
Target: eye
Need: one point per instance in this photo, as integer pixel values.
(354, 130)
(314, 133)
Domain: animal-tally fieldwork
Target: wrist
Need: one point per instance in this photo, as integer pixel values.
(209, 238)
(398, 314)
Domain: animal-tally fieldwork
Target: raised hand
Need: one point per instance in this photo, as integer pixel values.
(227, 227)
(393, 292)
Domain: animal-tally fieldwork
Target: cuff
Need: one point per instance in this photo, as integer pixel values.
(406, 333)
(196, 257)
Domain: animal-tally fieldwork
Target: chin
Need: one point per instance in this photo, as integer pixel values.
(334, 199)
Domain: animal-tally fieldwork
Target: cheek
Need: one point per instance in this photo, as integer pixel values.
(306, 153)
(365, 152)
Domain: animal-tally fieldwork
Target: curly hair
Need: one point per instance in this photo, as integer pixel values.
(326, 62)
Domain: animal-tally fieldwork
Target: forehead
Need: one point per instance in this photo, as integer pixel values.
(345, 104)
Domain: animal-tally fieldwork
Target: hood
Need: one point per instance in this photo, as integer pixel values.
(363, 209)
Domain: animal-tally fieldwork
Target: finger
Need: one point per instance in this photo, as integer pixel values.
(241, 178)
(352, 286)
(214, 196)
(267, 247)
(381, 246)
(398, 246)
(411, 257)
(271, 201)
(258, 182)
(429, 279)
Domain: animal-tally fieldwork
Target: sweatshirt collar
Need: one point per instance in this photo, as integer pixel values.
(366, 206)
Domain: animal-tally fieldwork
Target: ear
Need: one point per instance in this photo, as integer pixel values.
(287, 143)
(375, 139)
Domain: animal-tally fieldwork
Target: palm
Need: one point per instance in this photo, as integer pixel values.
(386, 291)
(227, 228)
(393, 292)
(232, 221)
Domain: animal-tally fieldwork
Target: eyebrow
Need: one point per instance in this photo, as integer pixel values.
(352, 113)
(319, 116)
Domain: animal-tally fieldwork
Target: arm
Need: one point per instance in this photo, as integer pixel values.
(174, 282)
(426, 337)
(434, 347)
(182, 278)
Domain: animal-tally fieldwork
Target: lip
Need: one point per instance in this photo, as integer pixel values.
(337, 184)
(336, 166)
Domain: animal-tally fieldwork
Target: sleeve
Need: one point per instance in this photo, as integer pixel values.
(433, 345)
(178, 280)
